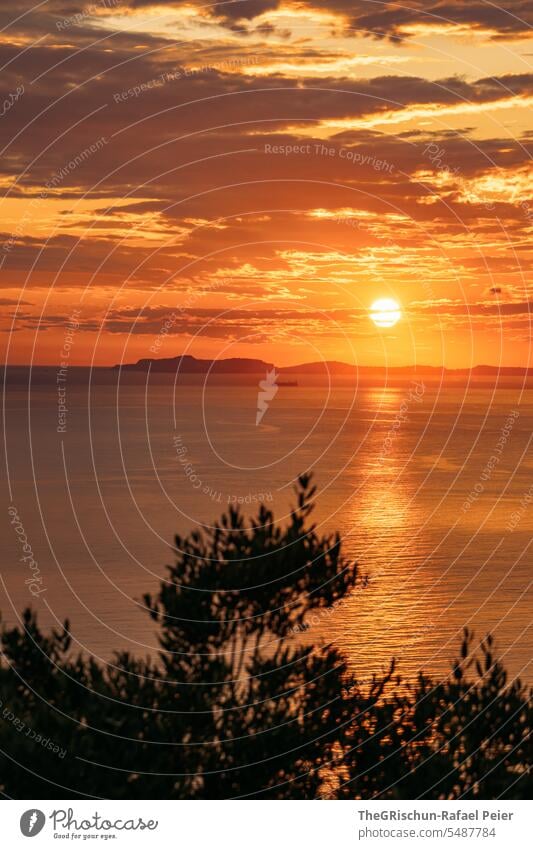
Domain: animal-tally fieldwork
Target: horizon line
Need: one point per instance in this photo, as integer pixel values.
(117, 366)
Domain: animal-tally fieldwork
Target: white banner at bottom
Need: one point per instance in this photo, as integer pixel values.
(266, 824)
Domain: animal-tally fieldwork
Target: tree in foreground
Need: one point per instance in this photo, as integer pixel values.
(238, 705)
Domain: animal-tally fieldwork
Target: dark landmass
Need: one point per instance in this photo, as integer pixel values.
(191, 365)
(242, 365)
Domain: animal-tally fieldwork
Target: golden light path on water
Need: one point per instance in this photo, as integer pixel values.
(394, 470)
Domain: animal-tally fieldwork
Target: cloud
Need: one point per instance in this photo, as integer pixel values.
(13, 302)
(382, 19)
(187, 191)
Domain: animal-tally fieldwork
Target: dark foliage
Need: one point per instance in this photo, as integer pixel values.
(237, 705)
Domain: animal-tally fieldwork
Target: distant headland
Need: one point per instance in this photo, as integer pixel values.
(187, 364)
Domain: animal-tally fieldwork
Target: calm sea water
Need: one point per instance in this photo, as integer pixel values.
(430, 487)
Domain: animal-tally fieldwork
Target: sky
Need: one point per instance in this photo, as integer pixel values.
(248, 178)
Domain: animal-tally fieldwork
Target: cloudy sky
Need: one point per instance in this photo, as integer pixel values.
(247, 178)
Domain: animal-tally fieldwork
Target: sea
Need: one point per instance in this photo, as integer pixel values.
(428, 481)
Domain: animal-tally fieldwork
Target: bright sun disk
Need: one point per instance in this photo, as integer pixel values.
(385, 312)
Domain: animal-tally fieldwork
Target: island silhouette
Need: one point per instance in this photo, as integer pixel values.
(187, 364)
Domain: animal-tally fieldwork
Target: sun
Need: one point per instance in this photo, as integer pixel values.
(385, 312)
